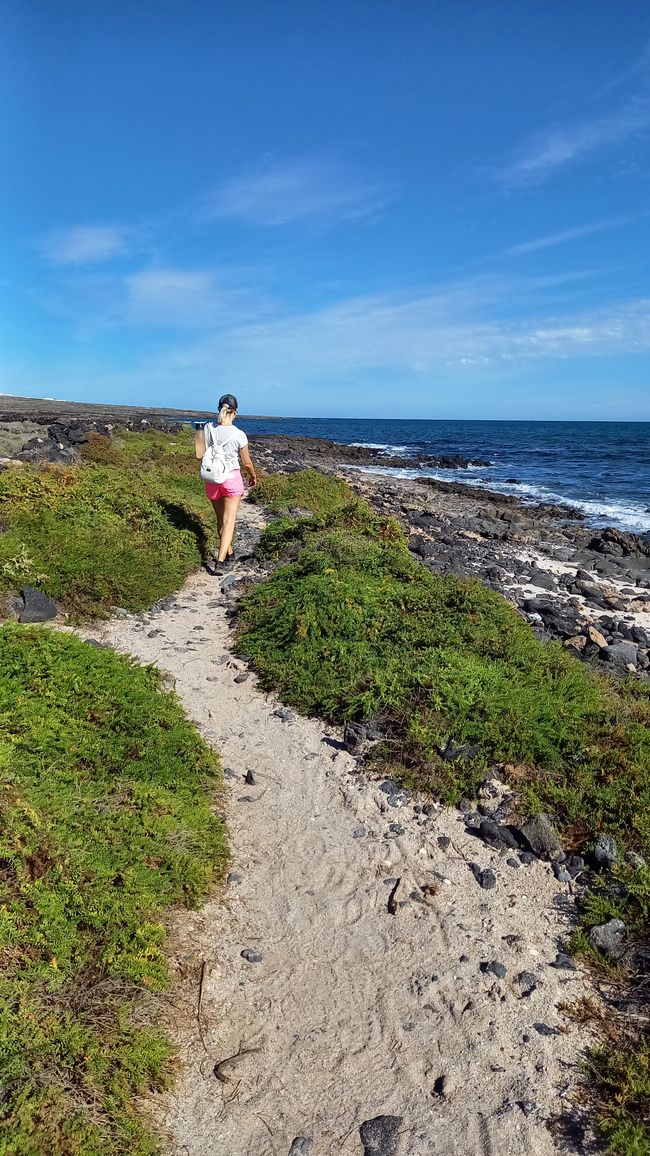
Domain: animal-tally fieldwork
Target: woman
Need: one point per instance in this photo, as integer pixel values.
(225, 496)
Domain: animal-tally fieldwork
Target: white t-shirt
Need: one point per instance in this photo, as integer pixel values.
(232, 439)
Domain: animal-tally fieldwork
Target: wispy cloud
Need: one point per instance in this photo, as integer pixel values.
(563, 236)
(168, 297)
(454, 330)
(84, 244)
(639, 68)
(320, 188)
(547, 152)
(156, 297)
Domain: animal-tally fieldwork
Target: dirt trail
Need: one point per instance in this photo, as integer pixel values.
(353, 1011)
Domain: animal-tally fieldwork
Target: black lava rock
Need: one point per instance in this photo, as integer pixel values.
(37, 607)
(563, 962)
(494, 967)
(501, 838)
(301, 1146)
(604, 852)
(545, 1030)
(251, 955)
(485, 878)
(379, 1136)
(541, 837)
(609, 938)
(527, 982)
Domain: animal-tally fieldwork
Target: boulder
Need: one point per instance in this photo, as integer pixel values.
(421, 546)
(543, 579)
(605, 852)
(36, 606)
(596, 637)
(541, 837)
(578, 642)
(609, 938)
(621, 654)
(359, 737)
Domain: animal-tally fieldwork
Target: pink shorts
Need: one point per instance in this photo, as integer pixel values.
(232, 486)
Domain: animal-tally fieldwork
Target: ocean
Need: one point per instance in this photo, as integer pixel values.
(599, 468)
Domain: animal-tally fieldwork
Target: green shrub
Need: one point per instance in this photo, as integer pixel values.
(106, 822)
(304, 489)
(104, 534)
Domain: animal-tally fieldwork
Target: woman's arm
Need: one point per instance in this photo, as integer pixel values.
(199, 443)
(248, 465)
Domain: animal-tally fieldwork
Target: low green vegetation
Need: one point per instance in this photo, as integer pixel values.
(124, 528)
(106, 822)
(350, 626)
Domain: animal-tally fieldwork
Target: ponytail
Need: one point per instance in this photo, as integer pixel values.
(227, 405)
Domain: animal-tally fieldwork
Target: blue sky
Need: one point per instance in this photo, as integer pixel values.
(333, 207)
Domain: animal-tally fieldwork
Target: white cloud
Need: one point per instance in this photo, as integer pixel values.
(300, 189)
(84, 244)
(550, 150)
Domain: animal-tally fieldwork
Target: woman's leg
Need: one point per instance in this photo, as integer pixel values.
(230, 506)
(217, 506)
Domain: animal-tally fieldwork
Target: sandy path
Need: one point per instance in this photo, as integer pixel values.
(353, 1011)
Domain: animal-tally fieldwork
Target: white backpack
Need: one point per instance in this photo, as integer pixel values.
(213, 462)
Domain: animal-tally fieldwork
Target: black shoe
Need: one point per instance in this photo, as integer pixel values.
(215, 568)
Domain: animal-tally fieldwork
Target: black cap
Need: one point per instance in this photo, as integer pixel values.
(228, 399)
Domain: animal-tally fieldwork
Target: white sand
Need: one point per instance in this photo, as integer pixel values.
(353, 1011)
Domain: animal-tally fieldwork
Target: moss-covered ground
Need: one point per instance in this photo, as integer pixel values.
(349, 626)
(105, 797)
(123, 528)
(106, 823)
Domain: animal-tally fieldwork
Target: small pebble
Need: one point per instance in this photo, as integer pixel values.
(563, 962)
(243, 676)
(444, 842)
(527, 982)
(513, 862)
(250, 779)
(494, 967)
(301, 1146)
(394, 829)
(545, 1030)
(359, 833)
(234, 877)
(485, 879)
(251, 955)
